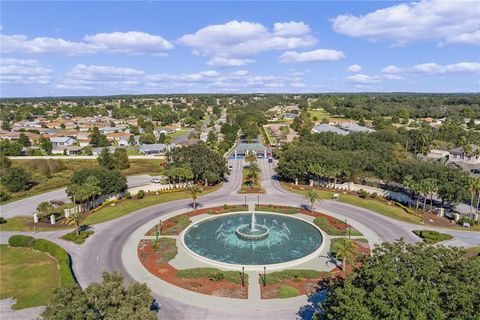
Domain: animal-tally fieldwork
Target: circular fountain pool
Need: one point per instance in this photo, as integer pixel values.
(246, 239)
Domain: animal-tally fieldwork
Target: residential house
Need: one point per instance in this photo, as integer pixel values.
(459, 157)
(62, 141)
(353, 127)
(328, 128)
(156, 148)
(68, 150)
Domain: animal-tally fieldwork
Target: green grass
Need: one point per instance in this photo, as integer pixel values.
(178, 133)
(72, 237)
(320, 114)
(323, 224)
(196, 273)
(270, 208)
(432, 237)
(125, 206)
(19, 223)
(287, 292)
(166, 248)
(181, 222)
(279, 276)
(374, 205)
(28, 275)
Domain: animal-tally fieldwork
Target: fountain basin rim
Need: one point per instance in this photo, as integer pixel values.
(253, 267)
(253, 237)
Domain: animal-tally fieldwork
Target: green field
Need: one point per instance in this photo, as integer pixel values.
(320, 114)
(125, 207)
(28, 275)
(66, 168)
(369, 204)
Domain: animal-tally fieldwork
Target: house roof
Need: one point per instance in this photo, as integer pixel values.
(328, 128)
(459, 150)
(353, 127)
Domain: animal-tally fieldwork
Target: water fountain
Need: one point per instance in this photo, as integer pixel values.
(255, 238)
(252, 231)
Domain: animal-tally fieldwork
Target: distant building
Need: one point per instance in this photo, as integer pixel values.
(436, 154)
(68, 150)
(97, 151)
(62, 141)
(353, 127)
(107, 130)
(289, 116)
(156, 148)
(328, 128)
(459, 157)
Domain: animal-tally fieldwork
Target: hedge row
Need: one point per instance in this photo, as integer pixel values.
(63, 258)
(432, 236)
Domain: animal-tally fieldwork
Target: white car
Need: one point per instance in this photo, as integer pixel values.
(155, 180)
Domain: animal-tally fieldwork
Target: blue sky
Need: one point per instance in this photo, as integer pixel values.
(104, 48)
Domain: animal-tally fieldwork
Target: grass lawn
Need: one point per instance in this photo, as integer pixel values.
(19, 223)
(279, 276)
(320, 114)
(287, 292)
(369, 204)
(212, 273)
(432, 236)
(28, 275)
(72, 236)
(323, 224)
(125, 206)
(271, 139)
(166, 249)
(179, 133)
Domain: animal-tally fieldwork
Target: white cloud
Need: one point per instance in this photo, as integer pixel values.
(391, 69)
(291, 28)
(116, 42)
(241, 39)
(297, 85)
(390, 76)
(186, 77)
(362, 79)
(311, 56)
(241, 73)
(129, 42)
(437, 20)
(426, 68)
(354, 68)
(228, 62)
(17, 71)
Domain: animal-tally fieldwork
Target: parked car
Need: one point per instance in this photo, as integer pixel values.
(270, 160)
(155, 180)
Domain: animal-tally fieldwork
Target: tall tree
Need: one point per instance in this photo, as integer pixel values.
(97, 139)
(345, 250)
(120, 159)
(194, 191)
(109, 299)
(106, 160)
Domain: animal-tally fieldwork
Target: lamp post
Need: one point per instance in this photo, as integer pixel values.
(258, 200)
(264, 276)
(160, 224)
(245, 201)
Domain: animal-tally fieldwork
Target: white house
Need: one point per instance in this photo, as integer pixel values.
(328, 128)
(459, 157)
(156, 148)
(62, 141)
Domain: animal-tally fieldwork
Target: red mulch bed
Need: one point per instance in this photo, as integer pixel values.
(213, 210)
(148, 257)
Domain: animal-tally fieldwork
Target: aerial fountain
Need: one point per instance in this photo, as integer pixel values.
(252, 231)
(255, 238)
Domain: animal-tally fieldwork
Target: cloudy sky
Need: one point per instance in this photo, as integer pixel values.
(104, 48)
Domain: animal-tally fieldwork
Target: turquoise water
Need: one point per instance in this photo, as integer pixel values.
(288, 239)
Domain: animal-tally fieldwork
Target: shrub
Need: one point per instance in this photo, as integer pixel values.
(62, 257)
(140, 194)
(3, 220)
(288, 292)
(431, 236)
(374, 195)
(4, 196)
(21, 241)
(363, 194)
(17, 179)
(128, 195)
(216, 276)
(72, 236)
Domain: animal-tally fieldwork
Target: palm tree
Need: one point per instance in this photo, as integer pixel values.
(76, 218)
(413, 186)
(194, 191)
(476, 154)
(44, 208)
(254, 170)
(250, 158)
(424, 188)
(312, 196)
(432, 188)
(344, 249)
(474, 188)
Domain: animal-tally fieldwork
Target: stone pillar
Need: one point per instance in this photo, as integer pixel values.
(441, 212)
(311, 183)
(35, 218)
(265, 153)
(475, 217)
(67, 213)
(296, 181)
(52, 219)
(457, 217)
(235, 154)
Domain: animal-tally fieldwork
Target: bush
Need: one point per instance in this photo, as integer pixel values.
(62, 257)
(72, 236)
(363, 194)
(21, 241)
(288, 292)
(128, 195)
(3, 220)
(17, 179)
(216, 276)
(374, 195)
(431, 236)
(140, 194)
(4, 196)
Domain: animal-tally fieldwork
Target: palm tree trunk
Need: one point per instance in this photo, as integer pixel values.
(425, 203)
(417, 203)
(431, 202)
(344, 265)
(478, 203)
(471, 204)
(77, 231)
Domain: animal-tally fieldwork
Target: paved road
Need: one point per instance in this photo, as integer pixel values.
(102, 252)
(28, 206)
(160, 157)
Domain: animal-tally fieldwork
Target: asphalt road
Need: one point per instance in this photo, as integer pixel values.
(102, 252)
(28, 206)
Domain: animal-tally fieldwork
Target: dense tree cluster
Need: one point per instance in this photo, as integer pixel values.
(402, 281)
(108, 299)
(206, 165)
(354, 157)
(109, 181)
